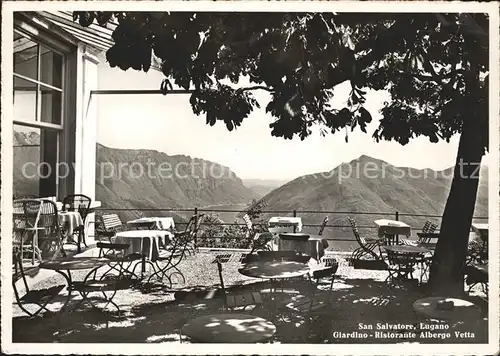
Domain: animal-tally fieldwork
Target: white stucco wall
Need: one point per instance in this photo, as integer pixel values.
(86, 129)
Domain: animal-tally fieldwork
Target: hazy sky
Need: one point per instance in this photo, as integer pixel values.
(167, 124)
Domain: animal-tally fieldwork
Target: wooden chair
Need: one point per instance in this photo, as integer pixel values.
(107, 225)
(323, 224)
(80, 203)
(366, 248)
(424, 237)
(238, 300)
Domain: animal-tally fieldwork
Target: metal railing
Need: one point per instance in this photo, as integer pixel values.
(294, 212)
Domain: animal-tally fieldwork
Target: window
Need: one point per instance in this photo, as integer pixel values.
(38, 82)
(38, 117)
(35, 161)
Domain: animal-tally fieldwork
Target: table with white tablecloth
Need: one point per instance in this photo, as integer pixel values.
(391, 229)
(70, 220)
(144, 242)
(156, 222)
(280, 224)
(311, 244)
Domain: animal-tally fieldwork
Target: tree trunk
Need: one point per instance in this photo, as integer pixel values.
(446, 273)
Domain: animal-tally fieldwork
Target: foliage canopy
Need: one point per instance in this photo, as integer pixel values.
(433, 65)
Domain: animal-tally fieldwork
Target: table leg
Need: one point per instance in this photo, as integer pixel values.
(67, 277)
(78, 246)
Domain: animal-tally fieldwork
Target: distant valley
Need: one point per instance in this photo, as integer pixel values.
(386, 189)
(262, 187)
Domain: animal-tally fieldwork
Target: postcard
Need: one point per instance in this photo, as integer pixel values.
(161, 159)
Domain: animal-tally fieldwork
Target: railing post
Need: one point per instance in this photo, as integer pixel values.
(397, 236)
(195, 224)
(294, 226)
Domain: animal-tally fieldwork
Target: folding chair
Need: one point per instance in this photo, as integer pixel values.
(400, 265)
(28, 219)
(323, 224)
(192, 246)
(424, 237)
(366, 246)
(312, 305)
(238, 300)
(171, 255)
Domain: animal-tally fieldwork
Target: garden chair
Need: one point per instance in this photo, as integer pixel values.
(192, 246)
(323, 224)
(26, 221)
(260, 242)
(50, 233)
(312, 306)
(81, 204)
(37, 297)
(117, 253)
(107, 225)
(26, 213)
(316, 301)
(477, 274)
(171, 255)
(238, 300)
(365, 250)
(424, 237)
(399, 265)
(249, 225)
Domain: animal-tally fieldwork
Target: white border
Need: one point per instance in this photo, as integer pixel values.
(240, 6)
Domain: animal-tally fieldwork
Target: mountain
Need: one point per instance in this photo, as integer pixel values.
(128, 178)
(133, 179)
(370, 185)
(26, 148)
(262, 187)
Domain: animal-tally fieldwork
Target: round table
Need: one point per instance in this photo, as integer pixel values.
(274, 269)
(229, 328)
(65, 265)
(143, 242)
(462, 310)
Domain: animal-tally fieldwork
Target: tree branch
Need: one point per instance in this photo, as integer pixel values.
(240, 90)
(434, 78)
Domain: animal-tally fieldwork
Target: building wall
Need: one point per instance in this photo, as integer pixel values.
(86, 129)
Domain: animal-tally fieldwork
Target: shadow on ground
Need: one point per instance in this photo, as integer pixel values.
(357, 304)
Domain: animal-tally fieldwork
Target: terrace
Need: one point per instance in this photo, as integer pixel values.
(138, 306)
(155, 312)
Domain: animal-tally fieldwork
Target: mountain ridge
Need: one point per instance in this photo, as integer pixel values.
(348, 190)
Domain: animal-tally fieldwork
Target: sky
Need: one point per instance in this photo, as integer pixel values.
(167, 124)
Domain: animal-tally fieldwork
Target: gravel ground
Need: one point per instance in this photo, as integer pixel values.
(153, 315)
